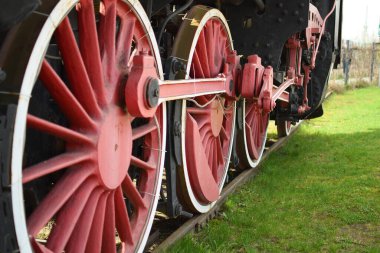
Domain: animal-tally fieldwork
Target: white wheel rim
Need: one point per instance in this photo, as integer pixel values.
(200, 207)
(59, 12)
(252, 163)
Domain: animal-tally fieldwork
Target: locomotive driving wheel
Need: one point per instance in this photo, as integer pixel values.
(284, 128)
(86, 174)
(203, 44)
(252, 133)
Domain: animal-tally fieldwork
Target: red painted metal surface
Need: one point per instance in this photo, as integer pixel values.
(257, 115)
(252, 77)
(135, 90)
(223, 82)
(257, 88)
(256, 124)
(205, 186)
(143, 71)
(322, 30)
(298, 73)
(279, 91)
(88, 204)
(189, 88)
(209, 121)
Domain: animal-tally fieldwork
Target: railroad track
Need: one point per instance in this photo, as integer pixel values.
(162, 240)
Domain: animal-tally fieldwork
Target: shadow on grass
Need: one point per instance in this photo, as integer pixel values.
(320, 192)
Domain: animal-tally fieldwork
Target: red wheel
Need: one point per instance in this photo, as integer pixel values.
(207, 121)
(284, 128)
(251, 139)
(89, 174)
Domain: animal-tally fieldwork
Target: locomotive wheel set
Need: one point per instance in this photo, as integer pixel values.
(95, 113)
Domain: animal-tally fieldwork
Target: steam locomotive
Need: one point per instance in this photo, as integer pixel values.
(110, 109)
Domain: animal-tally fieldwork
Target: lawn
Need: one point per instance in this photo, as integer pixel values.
(319, 193)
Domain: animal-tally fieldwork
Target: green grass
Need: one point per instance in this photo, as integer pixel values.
(319, 193)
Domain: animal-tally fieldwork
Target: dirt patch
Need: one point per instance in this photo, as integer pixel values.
(359, 234)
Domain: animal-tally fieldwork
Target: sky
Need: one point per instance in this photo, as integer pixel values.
(355, 19)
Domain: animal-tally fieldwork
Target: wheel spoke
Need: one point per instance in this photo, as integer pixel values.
(216, 161)
(107, 34)
(203, 54)
(257, 129)
(68, 216)
(264, 122)
(219, 51)
(253, 126)
(220, 151)
(142, 164)
(197, 66)
(132, 193)
(94, 244)
(206, 144)
(56, 198)
(250, 108)
(251, 142)
(211, 157)
(223, 134)
(54, 164)
(250, 117)
(140, 131)
(205, 130)
(64, 98)
(75, 68)
(88, 43)
(224, 41)
(80, 236)
(56, 130)
(123, 225)
(109, 244)
(210, 46)
(203, 122)
(221, 44)
(124, 41)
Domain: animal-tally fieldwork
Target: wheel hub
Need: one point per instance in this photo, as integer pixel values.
(216, 117)
(114, 148)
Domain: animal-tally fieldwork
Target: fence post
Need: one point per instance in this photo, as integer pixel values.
(346, 62)
(373, 55)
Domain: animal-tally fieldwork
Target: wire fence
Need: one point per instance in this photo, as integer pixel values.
(359, 66)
